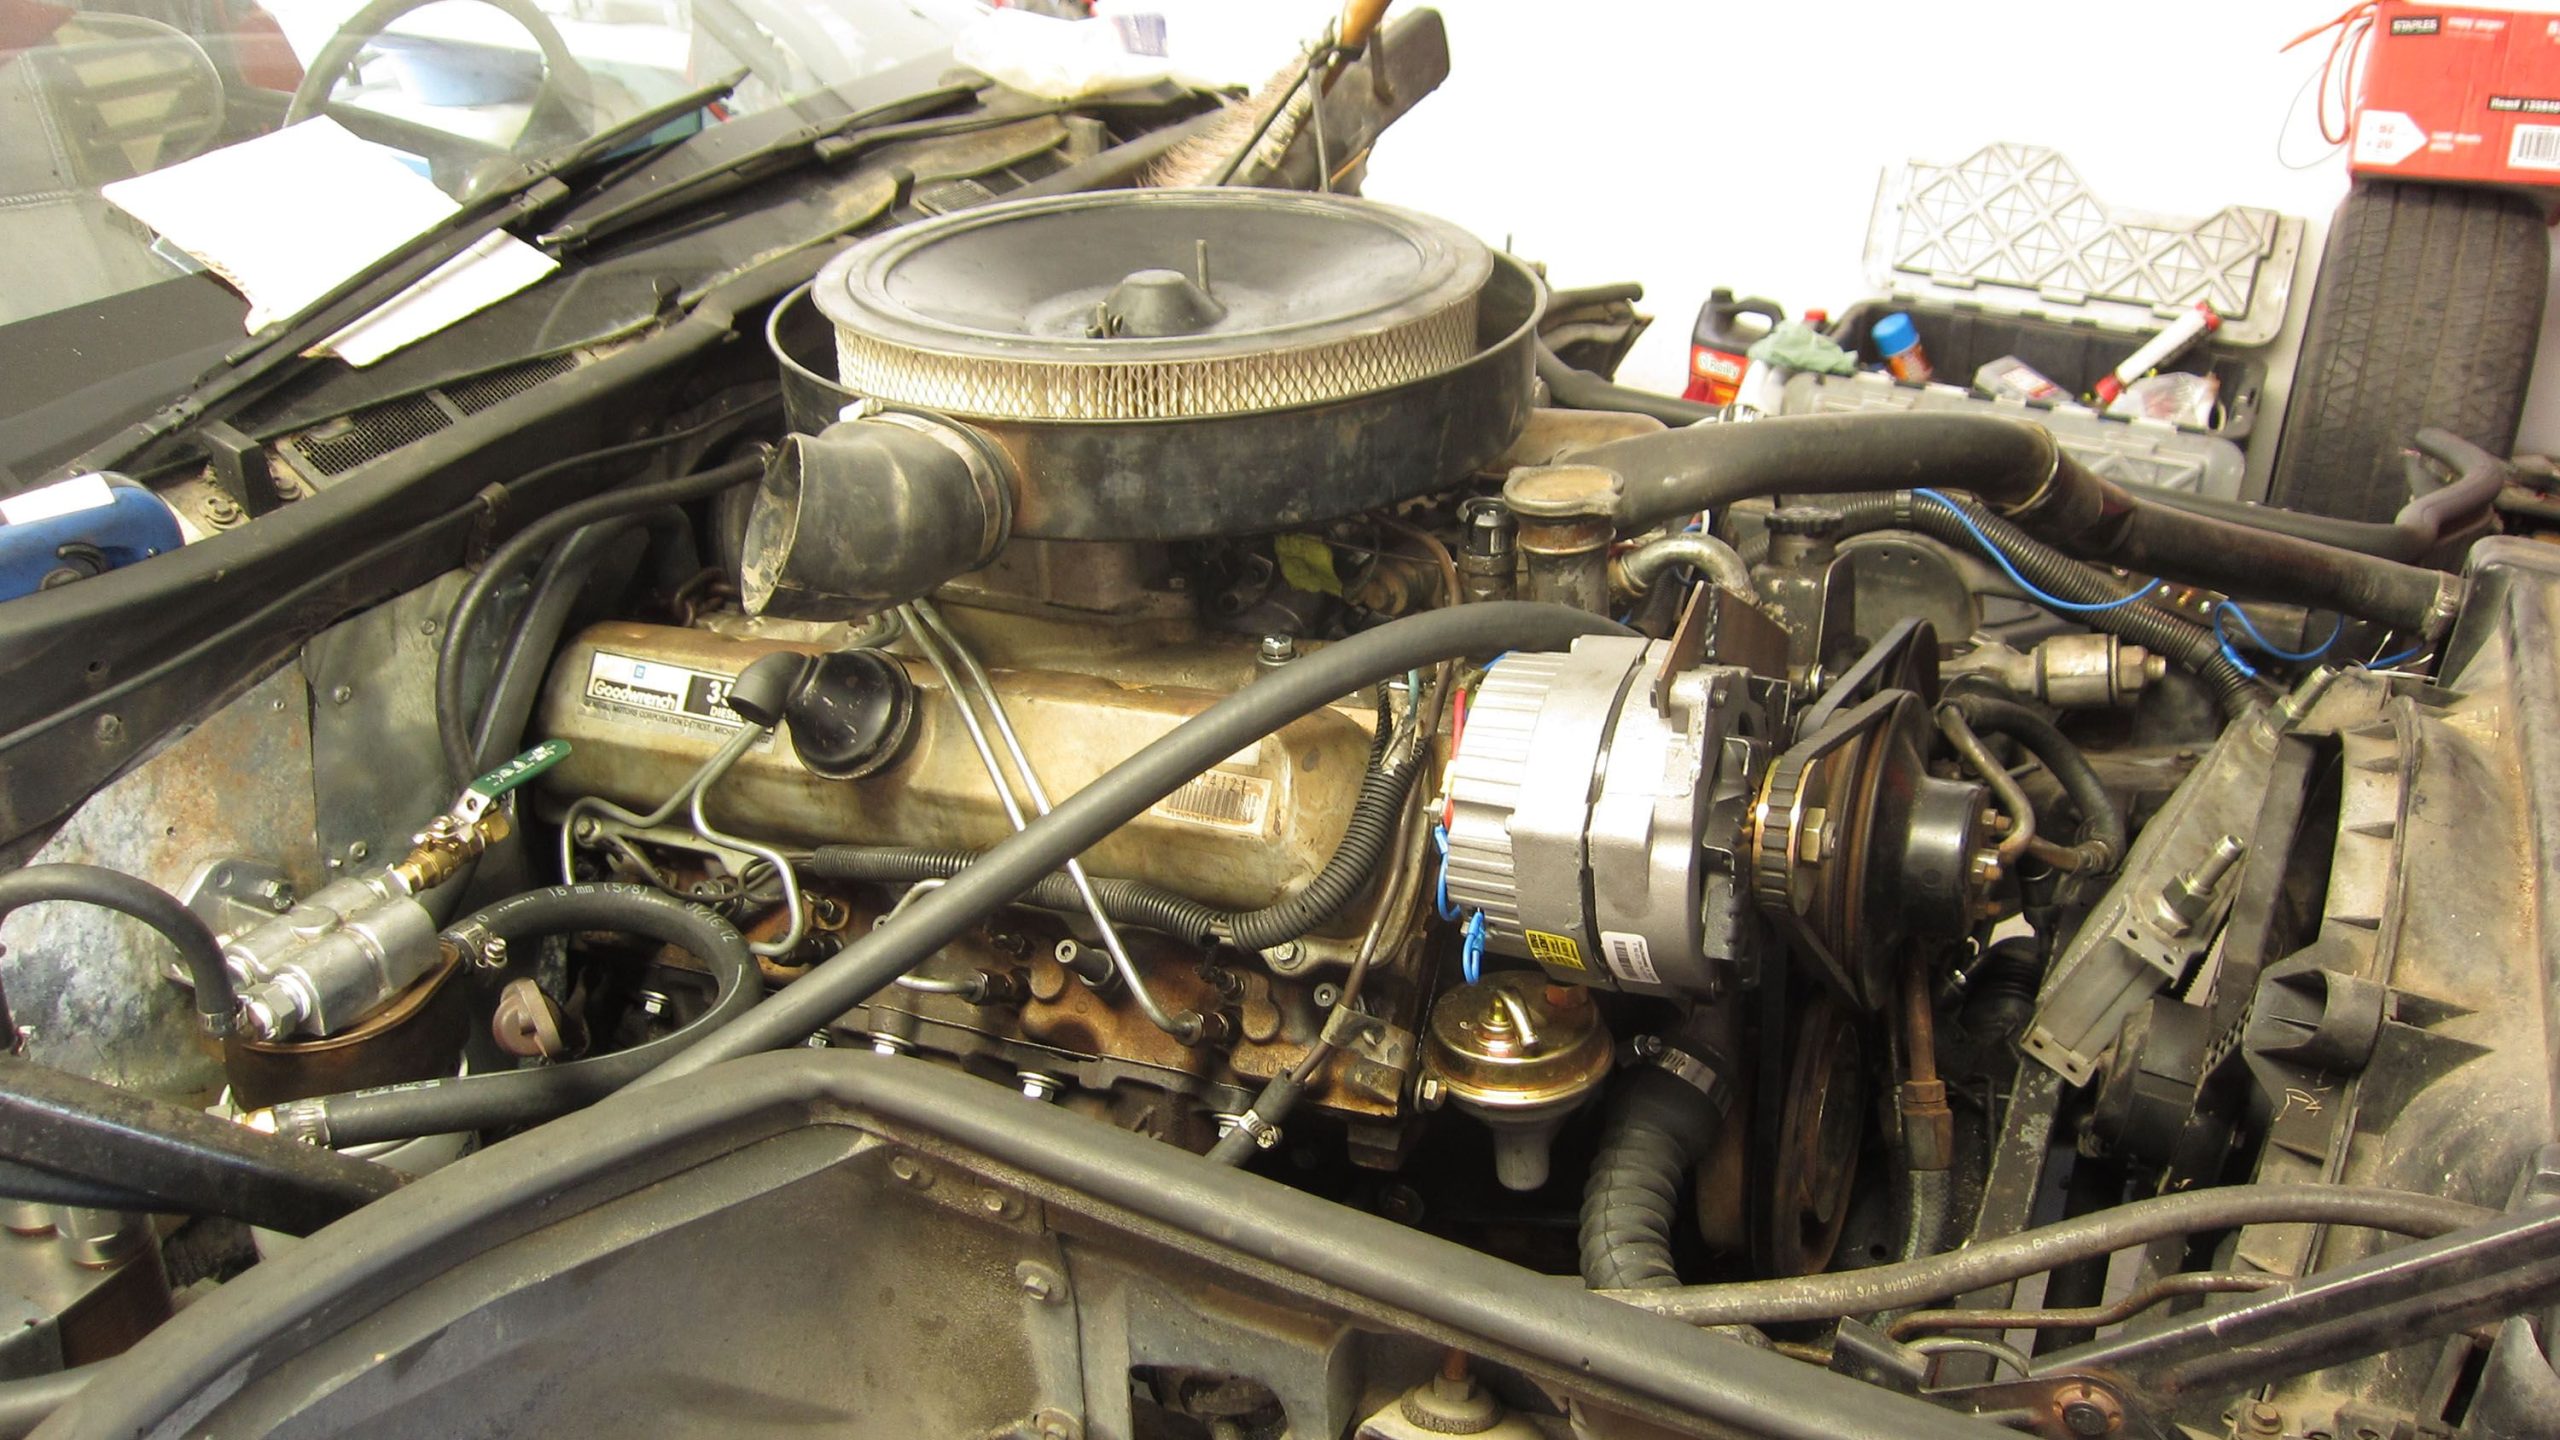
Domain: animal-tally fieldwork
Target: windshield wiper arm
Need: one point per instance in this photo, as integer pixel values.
(737, 171)
(265, 356)
(479, 208)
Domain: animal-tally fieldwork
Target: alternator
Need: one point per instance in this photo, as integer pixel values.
(1633, 823)
(1597, 804)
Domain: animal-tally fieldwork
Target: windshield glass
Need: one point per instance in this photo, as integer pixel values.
(91, 94)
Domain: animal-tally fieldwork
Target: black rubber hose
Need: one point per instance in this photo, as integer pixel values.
(2019, 469)
(1133, 901)
(517, 684)
(1344, 875)
(1296, 689)
(2423, 527)
(1269, 1111)
(2033, 1252)
(1348, 871)
(1572, 389)
(1659, 1127)
(29, 1402)
(526, 1097)
(37, 1185)
(2182, 641)
(146, 902)
(2100, 818)
(462, 626)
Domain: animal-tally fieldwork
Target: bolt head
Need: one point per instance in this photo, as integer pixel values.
(1036, 1281)
(342, 694)
(2086, 1410)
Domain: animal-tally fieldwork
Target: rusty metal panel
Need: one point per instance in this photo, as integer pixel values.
(88, 983)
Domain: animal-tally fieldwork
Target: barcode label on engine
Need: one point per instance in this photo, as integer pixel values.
(2534, 147)
(1630, 959)
(1221, 798)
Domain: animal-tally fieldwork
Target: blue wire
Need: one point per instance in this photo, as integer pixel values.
(2336, 626)
(2387, 661)
(2022, 582)
(1440, 835)
(1471, 949)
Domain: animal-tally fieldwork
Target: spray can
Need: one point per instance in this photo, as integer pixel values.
(2159, 350)
(1898, 345)
(1718, 343)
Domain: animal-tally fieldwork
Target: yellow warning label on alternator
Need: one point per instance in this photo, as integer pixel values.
(1549, 949)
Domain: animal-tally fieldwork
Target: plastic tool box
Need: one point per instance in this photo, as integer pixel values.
(2007, 253)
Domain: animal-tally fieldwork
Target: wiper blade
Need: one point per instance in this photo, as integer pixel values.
(783, 152)
(265, 356)
(477, 209)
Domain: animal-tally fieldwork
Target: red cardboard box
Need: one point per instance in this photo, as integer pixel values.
(2471, 96)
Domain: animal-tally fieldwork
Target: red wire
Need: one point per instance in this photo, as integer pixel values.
(2355, 21)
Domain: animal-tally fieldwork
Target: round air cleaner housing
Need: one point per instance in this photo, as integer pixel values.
(1170, 364)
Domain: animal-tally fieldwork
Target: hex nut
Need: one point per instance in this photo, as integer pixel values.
(1038, 1281)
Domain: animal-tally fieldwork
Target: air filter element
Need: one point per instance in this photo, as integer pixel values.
(1153, 305)
(1174, 364)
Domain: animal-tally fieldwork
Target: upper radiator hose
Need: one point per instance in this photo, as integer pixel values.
(2022, 473)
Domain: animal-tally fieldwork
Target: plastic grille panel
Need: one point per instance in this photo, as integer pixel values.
(482, 391)
(337, 446)
(2019, 219)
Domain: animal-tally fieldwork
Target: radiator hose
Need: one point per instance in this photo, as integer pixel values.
(2020, 472)
(1661, 1124)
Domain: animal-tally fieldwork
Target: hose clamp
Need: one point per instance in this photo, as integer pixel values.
(2451, 591)
(1697, 1074)
(301, 1120)
(1261, 1132)
(2044, 488)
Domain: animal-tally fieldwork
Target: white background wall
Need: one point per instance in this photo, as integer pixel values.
(1694, 143)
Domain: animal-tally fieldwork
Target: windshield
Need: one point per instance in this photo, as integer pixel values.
(98, 93)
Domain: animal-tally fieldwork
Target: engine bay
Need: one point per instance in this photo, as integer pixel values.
(1823, 908)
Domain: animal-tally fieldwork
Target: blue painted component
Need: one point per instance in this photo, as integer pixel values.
(133, 525)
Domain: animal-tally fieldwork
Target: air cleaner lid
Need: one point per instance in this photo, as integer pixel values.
(1153, 304)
